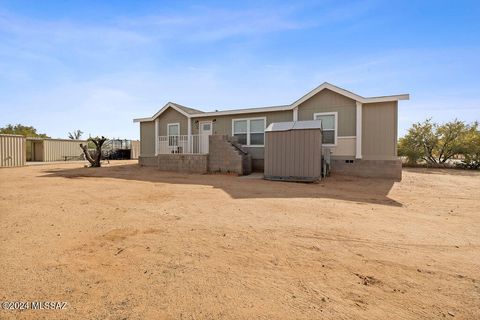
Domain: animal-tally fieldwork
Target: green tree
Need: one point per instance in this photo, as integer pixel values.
(471, 152)
(419, 142)
(433, 143)
(451, 136)
(26, 131)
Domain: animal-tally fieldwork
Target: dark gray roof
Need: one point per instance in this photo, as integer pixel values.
(186, 109)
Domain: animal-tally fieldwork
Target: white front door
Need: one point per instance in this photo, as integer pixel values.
(205, 130)
(206, 127)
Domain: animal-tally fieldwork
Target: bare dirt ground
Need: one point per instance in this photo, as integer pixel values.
(124, 242)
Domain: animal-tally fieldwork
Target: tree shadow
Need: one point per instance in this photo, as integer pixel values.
(347, 188)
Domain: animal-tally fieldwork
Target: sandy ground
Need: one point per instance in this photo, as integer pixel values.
(124, 242)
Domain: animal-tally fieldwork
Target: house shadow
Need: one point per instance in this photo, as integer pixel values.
(347, 188)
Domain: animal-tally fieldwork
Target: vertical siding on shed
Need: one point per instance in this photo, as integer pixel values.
(293, 155)
(12, 150)
(37, 150)
(57, 150)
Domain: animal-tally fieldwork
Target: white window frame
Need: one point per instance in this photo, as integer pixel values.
(172, 124)
(248, 130)
(335, 114)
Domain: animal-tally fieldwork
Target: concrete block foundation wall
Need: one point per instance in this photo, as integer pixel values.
(225, 157)
(389, 169)
(151, 161)
(192, 163)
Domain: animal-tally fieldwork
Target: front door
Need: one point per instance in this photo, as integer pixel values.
(206, 127)
(205, 130)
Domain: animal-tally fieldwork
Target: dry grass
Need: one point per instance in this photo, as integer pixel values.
(123, 242)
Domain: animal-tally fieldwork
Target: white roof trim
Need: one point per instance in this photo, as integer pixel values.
(348, 94)
(292, 106)
(168, 105)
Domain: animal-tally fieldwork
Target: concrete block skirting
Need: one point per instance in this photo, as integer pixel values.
(389, 169)
(192, 163)
(149, 161)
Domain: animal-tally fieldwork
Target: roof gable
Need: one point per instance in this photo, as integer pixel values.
(347, 94)
(190, 112)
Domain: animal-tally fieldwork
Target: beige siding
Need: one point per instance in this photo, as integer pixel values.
(172, 116)
(12, 150)
(345, 147)
(135, 150)
(147, 138)
(379, 131)
(223, 124)
(57, 150)
(293, 155)
(329, 101)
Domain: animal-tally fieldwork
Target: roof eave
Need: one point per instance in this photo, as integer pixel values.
(295, 104)
(241, 111)
(142, 120)
(386, 98)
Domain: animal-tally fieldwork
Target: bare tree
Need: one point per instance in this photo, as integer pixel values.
(96, 156)
(75, 135)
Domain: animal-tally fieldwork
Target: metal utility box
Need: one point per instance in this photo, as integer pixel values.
(293, 151)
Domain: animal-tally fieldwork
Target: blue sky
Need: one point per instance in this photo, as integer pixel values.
(96, 65)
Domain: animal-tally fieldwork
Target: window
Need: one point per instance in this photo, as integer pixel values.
(257, 132)
(249, 132)
(173, 131)
(329, 127)
(240, 131)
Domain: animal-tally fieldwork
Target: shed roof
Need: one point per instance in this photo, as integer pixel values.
(54, 139)
(294, 125)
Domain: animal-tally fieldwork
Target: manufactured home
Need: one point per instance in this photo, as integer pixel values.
(359, 134)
